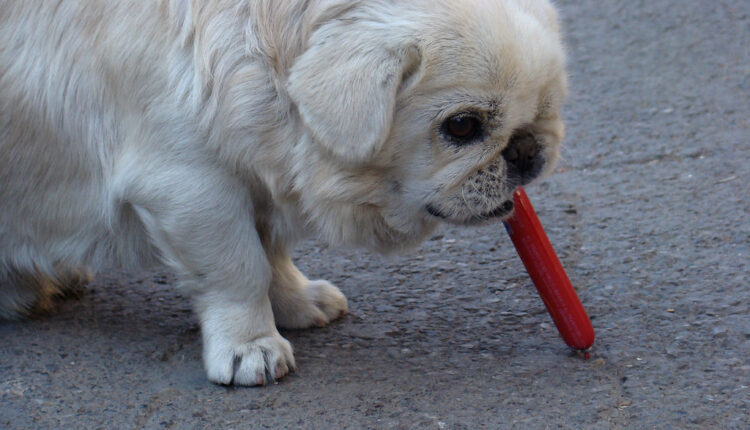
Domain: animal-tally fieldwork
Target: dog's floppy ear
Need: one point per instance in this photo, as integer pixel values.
(345, 86)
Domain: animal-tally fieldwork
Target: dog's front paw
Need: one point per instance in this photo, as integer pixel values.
(258, 362)
(314, 305)
(328, 299)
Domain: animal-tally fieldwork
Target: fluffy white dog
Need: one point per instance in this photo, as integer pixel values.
(211, 135)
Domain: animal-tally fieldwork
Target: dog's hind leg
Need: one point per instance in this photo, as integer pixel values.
(299, 302)
(26, 293)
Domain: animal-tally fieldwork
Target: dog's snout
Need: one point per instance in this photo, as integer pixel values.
(522, 153)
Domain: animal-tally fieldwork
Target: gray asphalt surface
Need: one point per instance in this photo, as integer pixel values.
(649, 212)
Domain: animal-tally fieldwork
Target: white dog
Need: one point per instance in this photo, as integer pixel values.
(211, 135)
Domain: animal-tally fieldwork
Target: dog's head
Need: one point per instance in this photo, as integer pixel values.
(427, 112)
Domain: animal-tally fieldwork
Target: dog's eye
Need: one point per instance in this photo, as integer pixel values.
(462, 128)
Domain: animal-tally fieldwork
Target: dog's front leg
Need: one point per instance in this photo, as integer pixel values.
(240, 342)
(204, 230)
(298, 302)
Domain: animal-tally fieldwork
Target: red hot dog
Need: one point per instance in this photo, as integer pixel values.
(548, 275)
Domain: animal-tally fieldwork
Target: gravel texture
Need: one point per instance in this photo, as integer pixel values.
(649, 212)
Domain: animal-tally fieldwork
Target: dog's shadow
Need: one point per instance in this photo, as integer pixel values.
(117, 314)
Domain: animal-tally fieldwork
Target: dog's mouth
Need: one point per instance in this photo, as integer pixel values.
(502, 211)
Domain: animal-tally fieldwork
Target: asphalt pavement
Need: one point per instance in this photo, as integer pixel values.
(649, 211)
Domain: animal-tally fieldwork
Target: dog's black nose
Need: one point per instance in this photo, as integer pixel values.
(522, 155)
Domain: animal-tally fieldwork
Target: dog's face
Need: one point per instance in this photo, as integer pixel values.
(439, 121)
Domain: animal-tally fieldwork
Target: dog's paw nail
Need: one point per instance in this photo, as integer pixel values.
(281, 370)
(260, 379)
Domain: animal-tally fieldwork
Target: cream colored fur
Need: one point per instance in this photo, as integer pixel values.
(209, 136)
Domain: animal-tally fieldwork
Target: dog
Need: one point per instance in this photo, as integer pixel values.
(210, 136)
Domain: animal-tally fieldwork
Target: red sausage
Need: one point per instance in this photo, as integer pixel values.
(548, 275)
